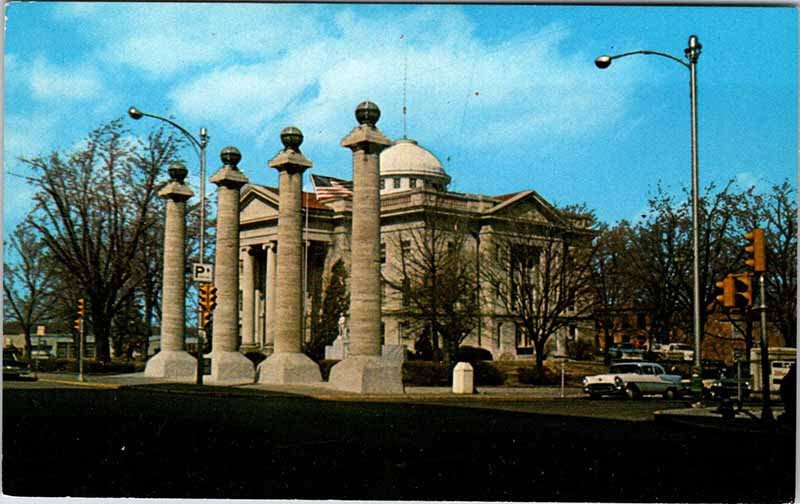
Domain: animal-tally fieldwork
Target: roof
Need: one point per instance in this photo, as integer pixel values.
(406, 157)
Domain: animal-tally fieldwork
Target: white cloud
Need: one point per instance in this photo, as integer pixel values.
(52, 82)
(746, 180)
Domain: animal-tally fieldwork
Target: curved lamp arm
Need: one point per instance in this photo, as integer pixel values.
(138, 114)
(605, 61)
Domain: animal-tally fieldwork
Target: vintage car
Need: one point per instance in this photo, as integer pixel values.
(633, 379)
(625, 351)
(14, 368)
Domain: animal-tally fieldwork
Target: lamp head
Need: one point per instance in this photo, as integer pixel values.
(602, 62)
(135, 113)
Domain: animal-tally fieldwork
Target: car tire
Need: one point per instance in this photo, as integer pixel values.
(670, 394)
(632, 392)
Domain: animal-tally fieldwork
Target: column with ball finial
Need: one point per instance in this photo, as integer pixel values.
(364, 371)
(228, 365)
(288, 364)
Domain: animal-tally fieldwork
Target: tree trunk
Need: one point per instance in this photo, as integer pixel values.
(539, 345)
(27, 330)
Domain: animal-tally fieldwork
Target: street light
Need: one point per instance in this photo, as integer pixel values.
(200, 148)
(692, 54)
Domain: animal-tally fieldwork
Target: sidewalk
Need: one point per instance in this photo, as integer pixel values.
(323, 391)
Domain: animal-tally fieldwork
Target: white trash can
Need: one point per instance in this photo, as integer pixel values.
(463, 378)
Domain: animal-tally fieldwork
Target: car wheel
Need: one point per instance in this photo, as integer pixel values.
(670, 394)
(632, 392)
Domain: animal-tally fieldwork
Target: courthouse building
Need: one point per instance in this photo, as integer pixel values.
(413, 184)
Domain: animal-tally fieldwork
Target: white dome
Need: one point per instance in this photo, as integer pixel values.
(405, 157)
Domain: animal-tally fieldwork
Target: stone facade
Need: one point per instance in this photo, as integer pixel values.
(329, 236)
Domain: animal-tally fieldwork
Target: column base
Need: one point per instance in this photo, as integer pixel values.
(230, 368)
(285, 368)
(367, 375)
(249, 347)
(173, 365)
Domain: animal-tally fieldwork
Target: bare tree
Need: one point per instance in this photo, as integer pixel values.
(94, 208)
(436, 280)
(541, 275)
(27, 282)
(776, 212)
(612, 292)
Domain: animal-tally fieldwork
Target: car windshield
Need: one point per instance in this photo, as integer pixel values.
(9, 356)
(683, 347)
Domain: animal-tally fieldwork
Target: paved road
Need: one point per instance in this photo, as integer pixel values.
(242, 443)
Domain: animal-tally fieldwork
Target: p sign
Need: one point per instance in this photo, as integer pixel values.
(202, 272)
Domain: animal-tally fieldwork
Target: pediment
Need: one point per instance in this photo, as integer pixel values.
(257, 203)
(527, 206)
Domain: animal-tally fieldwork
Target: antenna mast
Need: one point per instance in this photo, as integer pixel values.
(405, 84)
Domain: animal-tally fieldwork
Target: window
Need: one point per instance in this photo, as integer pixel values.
(405, 248)
(412, 182)
(406, 293)
(383, 184)
(396, 182)
(648, 370)
(383, 253)
(404, 332)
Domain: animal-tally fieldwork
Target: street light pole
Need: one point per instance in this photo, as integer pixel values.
(200, 148)
(692, 53)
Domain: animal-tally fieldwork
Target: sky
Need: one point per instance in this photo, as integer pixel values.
(507, 97)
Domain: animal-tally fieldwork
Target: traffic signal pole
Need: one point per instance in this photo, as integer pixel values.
(81, 343)
(766, 408)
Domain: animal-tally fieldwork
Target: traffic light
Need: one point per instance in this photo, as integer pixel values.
(728, 295)
(77, 324)
(756, 250)
(743, 286)
(208, 301)
(81, 307)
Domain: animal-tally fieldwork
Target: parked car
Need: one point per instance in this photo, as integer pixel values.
(727, 386)
(625, 351)
(633, 379)
(679, 351)
(14, 368)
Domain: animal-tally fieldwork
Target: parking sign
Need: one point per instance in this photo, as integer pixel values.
(202, 272)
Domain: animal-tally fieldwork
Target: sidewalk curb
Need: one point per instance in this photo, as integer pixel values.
(80, 383)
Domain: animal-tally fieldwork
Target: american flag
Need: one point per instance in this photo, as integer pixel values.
(330, 188)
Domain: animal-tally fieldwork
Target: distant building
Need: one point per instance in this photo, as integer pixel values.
(413, 184)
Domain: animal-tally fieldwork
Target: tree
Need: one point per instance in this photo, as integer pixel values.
(94, 208)
(612, 297)
(776, 213)
(335, 303)
(28, 282)
(541, 275)
(436, 280)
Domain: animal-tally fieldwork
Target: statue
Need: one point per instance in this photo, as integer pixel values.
(342, 326)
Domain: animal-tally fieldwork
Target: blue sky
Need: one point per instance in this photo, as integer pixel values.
(506, 96)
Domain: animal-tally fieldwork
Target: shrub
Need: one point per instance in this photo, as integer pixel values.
(426, 374)
(486, 374)
(532, 376)
(255, 357)
(582, 350)
(472, 354)
(325, 366)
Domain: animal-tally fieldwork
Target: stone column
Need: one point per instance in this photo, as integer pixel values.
(272, 279)
(288, 364)
(248, 302)
(173, 362)
(364, 371)
(228, 366)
